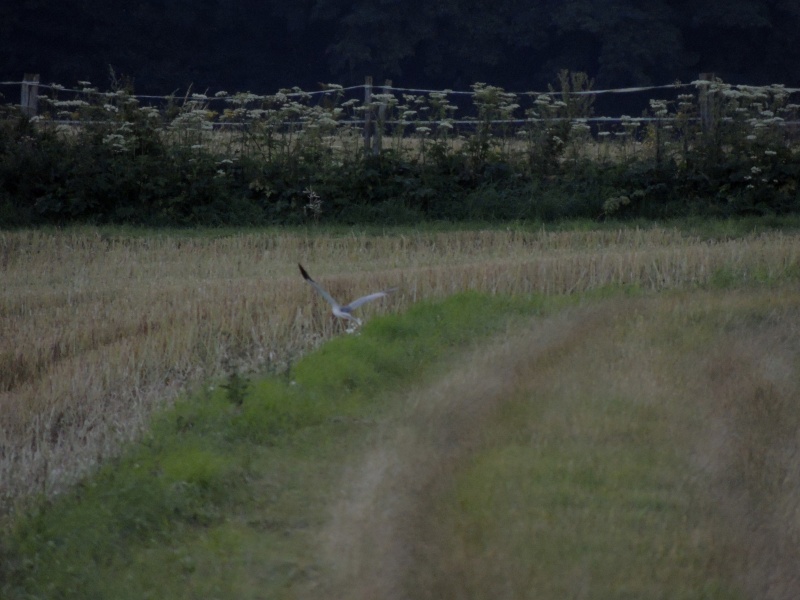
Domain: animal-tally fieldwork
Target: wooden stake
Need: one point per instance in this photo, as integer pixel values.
(377, 142)
(29, 95)
(367, 113)
(705, 104)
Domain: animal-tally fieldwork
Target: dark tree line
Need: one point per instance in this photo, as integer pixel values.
(262, 45)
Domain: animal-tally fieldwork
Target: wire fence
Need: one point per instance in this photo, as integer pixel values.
(373, 112)
(336, 88)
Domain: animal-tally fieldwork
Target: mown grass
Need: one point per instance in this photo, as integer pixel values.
(215, 482)
(654, 457)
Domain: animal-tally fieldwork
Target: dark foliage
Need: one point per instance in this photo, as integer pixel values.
(266, 45)
(49, 178)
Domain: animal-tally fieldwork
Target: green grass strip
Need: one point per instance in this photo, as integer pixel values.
(232, 468)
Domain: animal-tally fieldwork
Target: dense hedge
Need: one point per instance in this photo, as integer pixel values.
(130, 171)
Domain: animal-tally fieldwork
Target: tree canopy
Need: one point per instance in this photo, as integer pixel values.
(262, 45)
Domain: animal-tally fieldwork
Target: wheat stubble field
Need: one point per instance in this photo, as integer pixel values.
(100, 327)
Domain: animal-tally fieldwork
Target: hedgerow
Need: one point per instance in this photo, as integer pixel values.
(102, 157)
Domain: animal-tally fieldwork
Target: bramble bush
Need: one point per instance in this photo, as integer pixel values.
(102, 157)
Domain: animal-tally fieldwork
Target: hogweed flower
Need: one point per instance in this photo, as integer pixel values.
(580, 127)
(116, 142)
(314, 205)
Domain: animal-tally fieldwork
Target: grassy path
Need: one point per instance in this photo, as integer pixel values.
(226, 492)
(612, 447)
(641, 448)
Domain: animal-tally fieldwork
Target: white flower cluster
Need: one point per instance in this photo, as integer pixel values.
(121, 141)
(314, 205)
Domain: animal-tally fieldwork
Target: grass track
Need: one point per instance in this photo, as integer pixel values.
(217, 481)
(608, 459)
(611, 447)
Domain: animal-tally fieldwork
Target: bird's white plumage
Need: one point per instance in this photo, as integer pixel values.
(343, 311)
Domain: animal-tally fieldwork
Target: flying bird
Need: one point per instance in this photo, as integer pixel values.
(344, 312)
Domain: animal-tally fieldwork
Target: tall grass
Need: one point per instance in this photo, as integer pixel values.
(100, 326)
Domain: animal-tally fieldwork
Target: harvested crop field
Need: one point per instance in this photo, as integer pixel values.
(101, 326)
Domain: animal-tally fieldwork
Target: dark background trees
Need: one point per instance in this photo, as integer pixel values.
(262, 45)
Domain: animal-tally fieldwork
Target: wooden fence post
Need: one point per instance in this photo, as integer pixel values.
(29, 95)
(367, 113)
(377, 141)
(705, 104)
